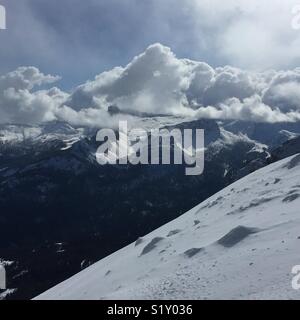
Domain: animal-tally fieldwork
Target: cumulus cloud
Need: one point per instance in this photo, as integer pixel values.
(154, 82)
(25, 78)
(249, 109)
(284, 91)
(158, 82)
(19, 104)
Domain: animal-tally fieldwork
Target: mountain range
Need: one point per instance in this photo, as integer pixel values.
(61, 211)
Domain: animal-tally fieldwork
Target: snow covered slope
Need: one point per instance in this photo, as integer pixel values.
(240, 244)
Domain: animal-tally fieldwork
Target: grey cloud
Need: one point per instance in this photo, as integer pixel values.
(97, 35)
(229, 82)
(284, 91)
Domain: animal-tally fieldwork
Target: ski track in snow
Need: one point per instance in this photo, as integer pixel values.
(239, 244)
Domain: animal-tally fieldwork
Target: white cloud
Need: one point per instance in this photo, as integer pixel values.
(156, 82)
(17, 101)
(250, 109)
(25, 78)
(284, 91)
(90, 117)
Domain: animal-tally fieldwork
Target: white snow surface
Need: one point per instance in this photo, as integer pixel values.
(259, 216)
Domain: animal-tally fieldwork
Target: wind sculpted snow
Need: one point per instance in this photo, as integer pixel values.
(216, 255)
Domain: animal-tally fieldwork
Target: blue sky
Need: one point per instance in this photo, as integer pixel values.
(79, 39)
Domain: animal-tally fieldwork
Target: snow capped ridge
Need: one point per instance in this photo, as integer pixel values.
(18, 133)
(239, 244)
